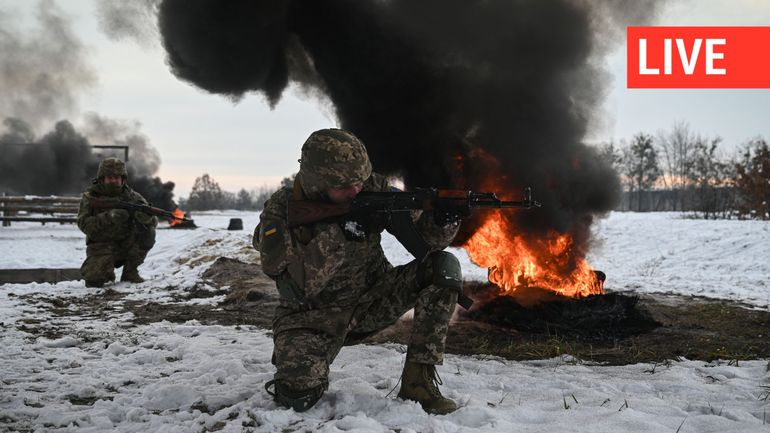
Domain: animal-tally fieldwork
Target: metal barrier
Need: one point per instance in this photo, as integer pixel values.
(42, 209)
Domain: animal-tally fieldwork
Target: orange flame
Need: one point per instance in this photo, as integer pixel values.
(179, 214)
(516, 262)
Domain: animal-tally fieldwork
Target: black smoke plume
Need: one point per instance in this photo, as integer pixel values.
(62, 161)
(58, 162)
(42, 72)
(450, 93)
(133, 20)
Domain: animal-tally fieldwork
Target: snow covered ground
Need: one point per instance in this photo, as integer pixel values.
(108, 375)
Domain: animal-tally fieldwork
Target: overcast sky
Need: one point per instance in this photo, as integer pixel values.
(248, 145)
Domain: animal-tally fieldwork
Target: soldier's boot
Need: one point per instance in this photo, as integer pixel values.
(419, 382)
(299, 400)
(97, 270)
(131, 275)
(98, 279)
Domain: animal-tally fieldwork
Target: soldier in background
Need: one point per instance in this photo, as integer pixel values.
(337, 287)
(114, 237)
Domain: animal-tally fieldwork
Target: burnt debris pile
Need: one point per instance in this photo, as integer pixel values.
(598, 317)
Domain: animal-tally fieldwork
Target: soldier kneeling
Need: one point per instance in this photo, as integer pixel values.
(337, 286)
(114, 237)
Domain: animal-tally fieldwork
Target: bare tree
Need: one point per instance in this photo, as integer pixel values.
(288, 182)
(611, 154)
(677, 147)
(228, 201)
(260, 195)
(206, 194)
(707, 175)
(752, 180)
(640, 165)
(243, 200)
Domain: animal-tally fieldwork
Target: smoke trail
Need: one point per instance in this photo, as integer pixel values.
(144, 160)
(41, 72)
(41, 75)
(449, 93)
(134, 20)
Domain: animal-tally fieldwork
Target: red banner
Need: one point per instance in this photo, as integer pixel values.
(698, 57)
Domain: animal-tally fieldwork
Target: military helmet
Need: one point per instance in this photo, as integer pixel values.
(112, 167)
(332, 158)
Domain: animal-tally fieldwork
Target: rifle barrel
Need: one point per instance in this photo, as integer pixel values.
(525, 204)
(507, 204)
(106, 203)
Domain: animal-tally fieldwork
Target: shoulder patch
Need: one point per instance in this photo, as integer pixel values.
(270, 229)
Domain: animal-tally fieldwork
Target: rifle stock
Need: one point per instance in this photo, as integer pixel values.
(303, 212)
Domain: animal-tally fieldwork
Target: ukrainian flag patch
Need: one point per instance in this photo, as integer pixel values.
(270, 230)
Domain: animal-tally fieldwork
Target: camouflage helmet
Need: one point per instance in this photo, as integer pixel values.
(332, 158)
(112, 167)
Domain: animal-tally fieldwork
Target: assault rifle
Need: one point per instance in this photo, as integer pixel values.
(104, 203)
(395, 207)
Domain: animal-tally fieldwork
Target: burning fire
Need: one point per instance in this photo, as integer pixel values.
(516, 262)
(179, 214)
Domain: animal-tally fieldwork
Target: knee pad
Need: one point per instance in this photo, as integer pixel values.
(298, 399)
(145, 238)
(442, 269)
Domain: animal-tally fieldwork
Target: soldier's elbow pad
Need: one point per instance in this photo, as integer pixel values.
(255, 236)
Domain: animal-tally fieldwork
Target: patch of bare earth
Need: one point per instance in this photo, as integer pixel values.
(653, 329)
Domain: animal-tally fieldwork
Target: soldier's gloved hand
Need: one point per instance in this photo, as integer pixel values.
(449, 215)
(119, 216)
(143, 218)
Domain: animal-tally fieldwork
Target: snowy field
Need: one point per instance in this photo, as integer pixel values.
(108, 375)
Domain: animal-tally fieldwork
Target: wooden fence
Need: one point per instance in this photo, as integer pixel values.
(42, 209)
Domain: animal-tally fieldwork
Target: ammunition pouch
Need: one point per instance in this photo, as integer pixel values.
(442, 269)
(298, 399)
(288, 290)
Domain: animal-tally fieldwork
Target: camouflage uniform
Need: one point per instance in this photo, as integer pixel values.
(335, 282)
(114, 237)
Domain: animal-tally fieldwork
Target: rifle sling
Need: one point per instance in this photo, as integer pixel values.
(296, 191)
(402, 227)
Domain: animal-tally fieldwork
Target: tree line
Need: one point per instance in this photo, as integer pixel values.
(679, 170)
(206, 194)
(676, 170)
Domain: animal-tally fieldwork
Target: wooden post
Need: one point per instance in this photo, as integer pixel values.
(2, 205)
